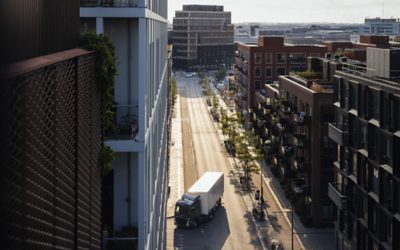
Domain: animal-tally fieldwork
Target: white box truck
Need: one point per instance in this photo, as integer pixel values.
(201, 201)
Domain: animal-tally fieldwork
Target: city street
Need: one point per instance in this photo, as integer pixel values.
(232, 227)
(201, 150)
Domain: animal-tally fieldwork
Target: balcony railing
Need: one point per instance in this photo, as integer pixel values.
(338, 133)
(336, 196)
(301, 119)
(109, 3)
(126, 123)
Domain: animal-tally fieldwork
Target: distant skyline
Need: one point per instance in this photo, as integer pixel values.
(295, 11)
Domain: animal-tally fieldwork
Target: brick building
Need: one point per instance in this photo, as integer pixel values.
(262, 63)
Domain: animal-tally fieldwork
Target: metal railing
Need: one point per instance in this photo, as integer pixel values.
(109, 3)
(126, 123)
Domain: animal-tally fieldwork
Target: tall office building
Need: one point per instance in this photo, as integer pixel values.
(50, 131)
(202, 37)
(138, 29)
(366, 187)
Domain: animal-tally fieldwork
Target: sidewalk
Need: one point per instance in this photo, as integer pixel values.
(176, 179)
(312, 238)
(309, 238)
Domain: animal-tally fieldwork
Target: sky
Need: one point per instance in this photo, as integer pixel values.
(298, 11)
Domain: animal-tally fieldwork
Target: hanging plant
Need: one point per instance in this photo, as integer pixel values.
(106, 71)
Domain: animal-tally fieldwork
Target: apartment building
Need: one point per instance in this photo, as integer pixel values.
(367, 168)
(202, 37)
(291, 118)
(138, 29)
(262, 63)
(50, 131)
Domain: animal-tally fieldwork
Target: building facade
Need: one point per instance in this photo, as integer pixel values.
(202, 37)
(380, 26)
(262, 63)
(367, 168)
(291, 119)
(138, 29)
(50, 131)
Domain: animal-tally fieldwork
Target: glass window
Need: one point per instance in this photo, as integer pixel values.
(268, 81)
(268, 72)
(297, 58)
(280, 71)
(280, 58)
(257, 58)
(268, 58)
(257, 71)
(315, 54)
(257, 84)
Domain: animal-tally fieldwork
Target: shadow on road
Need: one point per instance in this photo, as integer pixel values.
(210, 235)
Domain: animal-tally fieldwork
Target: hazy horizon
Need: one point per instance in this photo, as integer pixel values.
(293, 11)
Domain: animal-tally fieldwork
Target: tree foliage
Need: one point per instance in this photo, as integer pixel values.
(106, 71)
(174, 91)
(220, 75)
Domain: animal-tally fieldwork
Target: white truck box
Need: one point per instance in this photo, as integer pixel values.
(210, 187)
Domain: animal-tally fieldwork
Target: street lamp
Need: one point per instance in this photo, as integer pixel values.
(289, 211)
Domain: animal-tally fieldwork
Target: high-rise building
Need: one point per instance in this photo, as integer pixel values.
(50, 130)
(366, 186)
(202, 37)
(138, 29)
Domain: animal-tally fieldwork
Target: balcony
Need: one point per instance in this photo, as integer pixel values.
(336, 196)
(338, 133)
(301, 119)
(126, 126)
(109, 3)
(299, 140)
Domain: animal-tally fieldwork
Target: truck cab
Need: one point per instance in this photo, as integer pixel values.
(188, 211)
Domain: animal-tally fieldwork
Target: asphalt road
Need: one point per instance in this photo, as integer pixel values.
(232, 227)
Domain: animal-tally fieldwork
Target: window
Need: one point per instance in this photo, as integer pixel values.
(257, 84)
(281, 58)
(257, 71)
(280, 71)
(268, 58)
(268, 81)
(353, 98)
(268, 72)
(297, 58)
(257, 58)
(373, 104)
(297, 69)
(315, 54)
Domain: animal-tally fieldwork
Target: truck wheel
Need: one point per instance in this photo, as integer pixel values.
(211, 216)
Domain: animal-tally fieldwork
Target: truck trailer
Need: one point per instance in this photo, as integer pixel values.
(201, 201)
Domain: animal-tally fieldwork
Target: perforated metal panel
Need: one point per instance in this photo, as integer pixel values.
(51, 183)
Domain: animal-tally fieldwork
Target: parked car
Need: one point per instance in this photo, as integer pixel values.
(230, 148)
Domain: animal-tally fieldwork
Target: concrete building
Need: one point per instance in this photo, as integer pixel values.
(50, 131)
(138, 29)
(367, 169)
(262, 63)
(380, 26)
(202, 37)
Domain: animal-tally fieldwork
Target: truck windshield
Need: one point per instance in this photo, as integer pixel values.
(182, 210)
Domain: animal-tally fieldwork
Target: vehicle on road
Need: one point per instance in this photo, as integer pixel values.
(208, 101)
(201, 201)
(230, 147)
